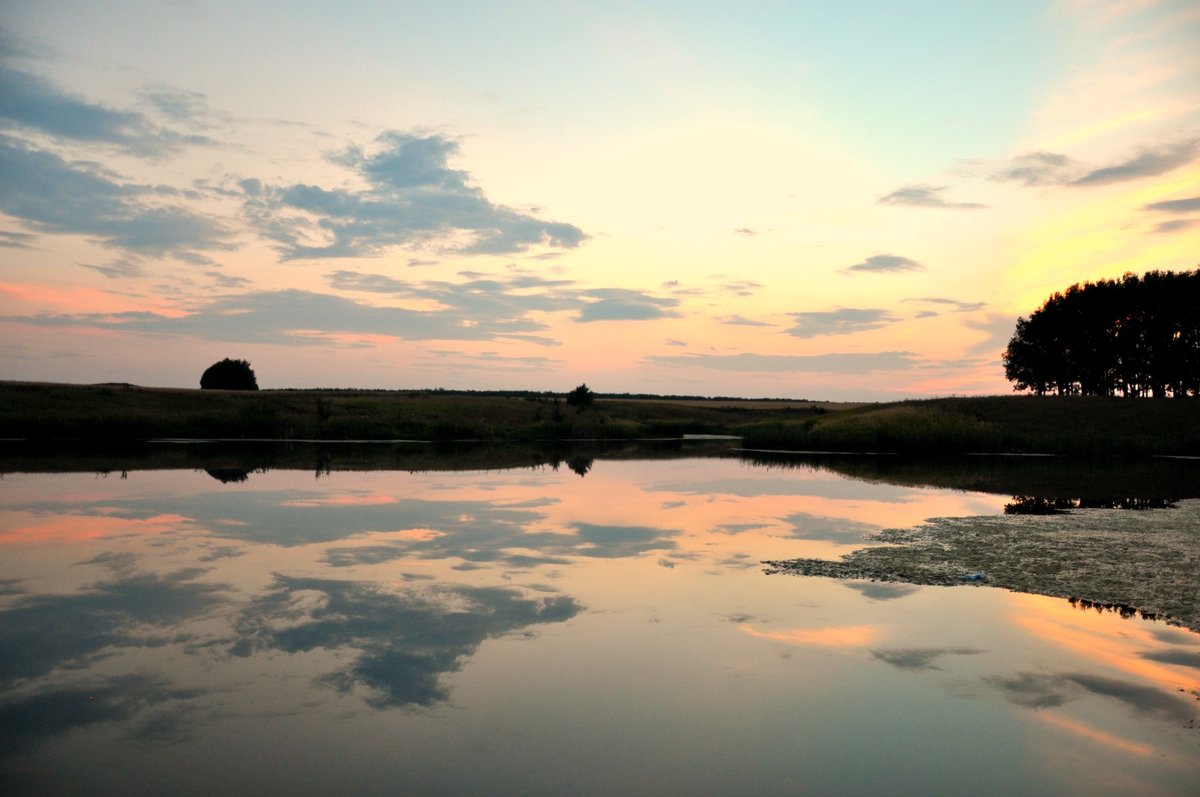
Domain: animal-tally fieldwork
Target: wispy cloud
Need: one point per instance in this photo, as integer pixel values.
(298, 318)
(877, 264)
(1177, 225)
(1049, 168)
(953, 305)
(1038, 168)
(925, 196)
(1149, 162)
(480, 310)
(412, 197)
(16, 240)
(118, 269)
(618, 304)
(740, 321)
(1188, 205)
(843, 321)
(51, 195)
(227, 281)
(1175, 206)
(32, 104)
(847, 363)
(739, 287)
(492, 300)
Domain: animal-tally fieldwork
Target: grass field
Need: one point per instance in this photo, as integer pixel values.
(993, 424)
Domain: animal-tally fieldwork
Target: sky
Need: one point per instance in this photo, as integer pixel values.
(831, 201)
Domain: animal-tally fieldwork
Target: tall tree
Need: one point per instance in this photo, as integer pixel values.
(1136, 336)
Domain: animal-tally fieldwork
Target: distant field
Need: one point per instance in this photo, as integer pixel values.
(986, 424)
(751, 404)
(129, 412)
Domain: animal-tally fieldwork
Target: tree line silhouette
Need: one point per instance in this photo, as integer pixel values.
(1133, 336)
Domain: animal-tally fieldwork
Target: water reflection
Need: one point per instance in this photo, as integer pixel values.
(1036, 505)
(514, 631)
(401, 642)
(40, 633)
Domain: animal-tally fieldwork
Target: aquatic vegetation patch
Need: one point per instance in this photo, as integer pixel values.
(1105, 559)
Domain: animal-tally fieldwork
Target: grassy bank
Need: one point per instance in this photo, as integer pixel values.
(126, 412)
(1087, 426)
(996, 424)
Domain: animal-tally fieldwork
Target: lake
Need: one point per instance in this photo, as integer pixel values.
(583, 625)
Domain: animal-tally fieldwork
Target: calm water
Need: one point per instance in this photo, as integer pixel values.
(532, 631)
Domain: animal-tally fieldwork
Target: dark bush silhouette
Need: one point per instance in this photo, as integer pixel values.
(229, 375)
(581, 397)
(1137, 336)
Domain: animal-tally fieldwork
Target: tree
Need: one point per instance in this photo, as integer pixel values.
(1136, 336)
(581, 396)
(229, 375)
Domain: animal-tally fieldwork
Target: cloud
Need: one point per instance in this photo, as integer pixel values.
(925, 196)
(16, 240)
(739, 287)
(32, 104)
(1051, 168)
(953, 305)
(1183, 658)
(843, 321)
(722, 286)
(183, 107)
(1047, 690)
(412, 197)
(881, 590)
(997, 330)
(1177, 225)
(1038, 168)
(885, 263)
(919, 658)
(747, 231)
(489, 301)
(118, 269)
(29, 720)
(227, 281)
(488, 360)
(740, 321)
(1188, 205)
(41, 632)
(816, 527)
(299, 318)
(405, 641)
(1148, 163)
(619, 304)
(850, 363)
(51, 195)
(611, 542)
(475, 531)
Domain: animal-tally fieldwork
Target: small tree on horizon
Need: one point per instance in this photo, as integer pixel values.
(581, 396)
(229, 375)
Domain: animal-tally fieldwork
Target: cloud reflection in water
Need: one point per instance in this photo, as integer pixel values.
(406, 640)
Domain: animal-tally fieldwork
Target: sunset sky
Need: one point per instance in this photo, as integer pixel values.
(849, 200)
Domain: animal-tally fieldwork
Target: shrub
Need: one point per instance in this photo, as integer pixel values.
(581, 396)
(229, 375)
